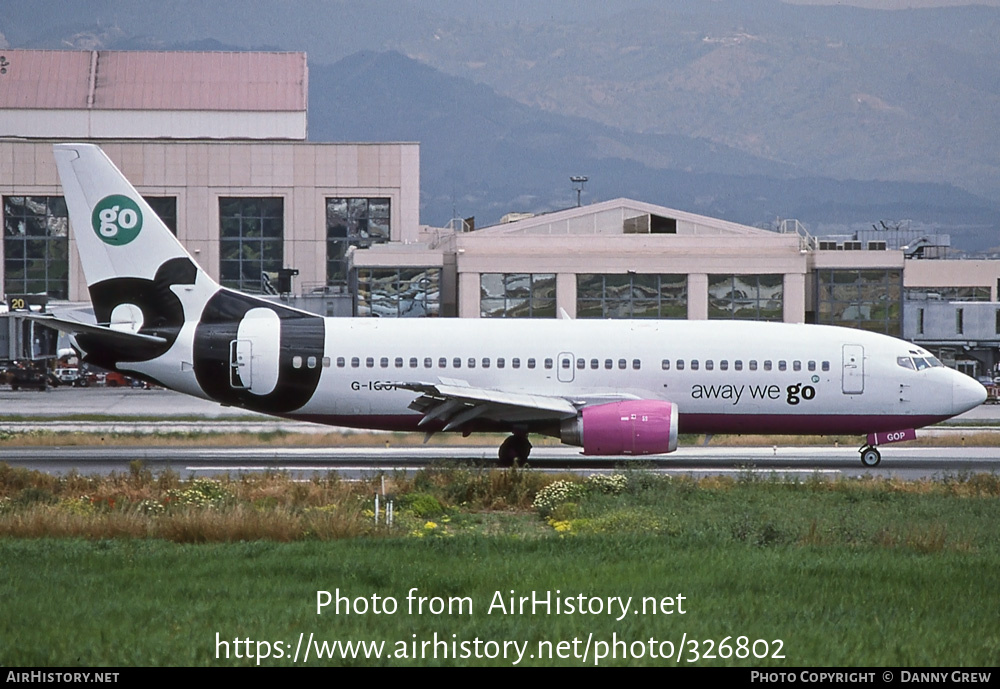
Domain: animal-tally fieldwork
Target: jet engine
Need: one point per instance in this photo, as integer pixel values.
(630, 427)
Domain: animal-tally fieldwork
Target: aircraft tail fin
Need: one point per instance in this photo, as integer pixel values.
(141, 280)
(117, 233)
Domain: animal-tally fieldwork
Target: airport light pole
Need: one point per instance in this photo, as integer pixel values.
(578, 182)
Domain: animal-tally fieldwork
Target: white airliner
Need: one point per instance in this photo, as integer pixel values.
(611, 387)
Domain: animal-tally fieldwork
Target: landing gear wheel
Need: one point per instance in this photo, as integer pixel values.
(516, 448)
(870, 456)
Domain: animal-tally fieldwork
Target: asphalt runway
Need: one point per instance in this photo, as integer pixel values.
(120, 402)
(141, 410)
(910, 463)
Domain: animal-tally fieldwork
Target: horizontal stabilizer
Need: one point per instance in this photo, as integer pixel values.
(109, 335)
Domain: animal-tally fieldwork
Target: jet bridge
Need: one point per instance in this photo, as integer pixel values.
(22, 339)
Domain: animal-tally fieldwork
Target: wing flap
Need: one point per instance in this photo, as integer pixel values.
(454, 405)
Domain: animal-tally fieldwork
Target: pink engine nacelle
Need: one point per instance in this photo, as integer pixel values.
(632, 427)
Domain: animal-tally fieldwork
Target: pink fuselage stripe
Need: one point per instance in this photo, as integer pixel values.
(749, 424)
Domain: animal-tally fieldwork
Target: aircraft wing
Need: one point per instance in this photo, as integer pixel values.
(73, 327)
(455, 404)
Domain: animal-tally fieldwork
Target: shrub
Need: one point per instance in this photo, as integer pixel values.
(558, 492)
(555, 494)
(421, 504)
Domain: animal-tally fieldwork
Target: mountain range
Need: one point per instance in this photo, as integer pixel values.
(742, 109)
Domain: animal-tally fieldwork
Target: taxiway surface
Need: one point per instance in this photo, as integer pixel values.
(148, 411)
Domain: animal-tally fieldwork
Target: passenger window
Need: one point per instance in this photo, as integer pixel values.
(753, 364)
(472, 362)
(680, 364)
(341, 362)
(413, 362)
(694, 364)
(738, 365)
(723, 365)
(636, 364)
(384, 362)
(456, 363)
(665, 364)
(826, 365)
(311, 362)
(709, 365)
(811, 365)
(767, 365)
(442, 363)
(296, 362)
(515, 363)
(501, 362)
(370, 362)
(531, 363)
(796, 365)
(781, 365)
(581, 363)
(609, 364)
(548, 363)
(399, 362)
(622, 364)
(594, 363)
(428, 362)
(486, 363)
(355, 362)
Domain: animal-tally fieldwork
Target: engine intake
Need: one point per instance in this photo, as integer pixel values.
(631, 427)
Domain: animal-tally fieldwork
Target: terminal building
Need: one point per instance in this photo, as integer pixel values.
(217, 143)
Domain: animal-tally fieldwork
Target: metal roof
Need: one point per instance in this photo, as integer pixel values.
(146, 80)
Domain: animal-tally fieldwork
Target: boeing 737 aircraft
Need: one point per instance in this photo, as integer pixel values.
(611, 387)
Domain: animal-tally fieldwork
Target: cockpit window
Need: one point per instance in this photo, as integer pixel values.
(934, 362)
(904, 361)
(921, 363)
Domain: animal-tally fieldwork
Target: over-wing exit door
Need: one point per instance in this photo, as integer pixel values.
(564, 367)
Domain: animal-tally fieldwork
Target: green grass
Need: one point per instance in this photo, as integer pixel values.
(844, 573)
(138, 602)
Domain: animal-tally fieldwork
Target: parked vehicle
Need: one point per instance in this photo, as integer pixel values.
(70, 376)
(992, 394)
(28, 377)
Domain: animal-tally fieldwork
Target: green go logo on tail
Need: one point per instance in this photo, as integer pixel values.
(117, 219)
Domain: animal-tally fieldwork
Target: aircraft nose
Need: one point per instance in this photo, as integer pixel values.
(967, 393)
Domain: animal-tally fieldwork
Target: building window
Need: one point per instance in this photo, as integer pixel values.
(959, 321)
(36, 245)
(398, 292)
(632, 295)
(865, 299)
(517, 295)
(251, 243)
(746, 297)
(165, 208)
(948, 293)
(352, 222)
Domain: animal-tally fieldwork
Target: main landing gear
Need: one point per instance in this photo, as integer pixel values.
(870, 456)
(516, 448)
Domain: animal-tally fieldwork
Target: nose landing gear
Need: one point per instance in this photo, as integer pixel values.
(870, 456)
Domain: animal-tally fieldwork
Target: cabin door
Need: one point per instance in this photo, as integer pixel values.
(854, 369)
(240, 364)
